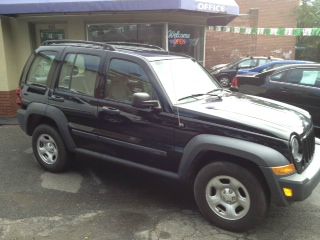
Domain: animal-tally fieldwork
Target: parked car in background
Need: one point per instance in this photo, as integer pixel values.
(217, 67)
(226, 73)
(298, 85)
(269, 66)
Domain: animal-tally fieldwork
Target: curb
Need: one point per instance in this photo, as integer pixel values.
(8, 121)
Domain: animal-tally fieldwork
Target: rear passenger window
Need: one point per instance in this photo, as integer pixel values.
(79, 73)
(40, 68)
(263, 61)
(294, 76)
(278, 77)
(309, 78)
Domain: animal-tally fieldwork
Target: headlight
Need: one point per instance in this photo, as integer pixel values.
(295, 149)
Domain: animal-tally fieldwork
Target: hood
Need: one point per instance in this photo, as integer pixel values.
(253, 113)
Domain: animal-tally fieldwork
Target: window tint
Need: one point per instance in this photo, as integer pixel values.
(305, 77)
(294, 76)
(40, 68)
(278, 77)
(125, 78)
(277, 65)
(248, 63)
(263, 61)
(79, 73)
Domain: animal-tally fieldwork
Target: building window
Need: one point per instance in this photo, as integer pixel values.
(46, 35)
(187, 40)
(138, 33)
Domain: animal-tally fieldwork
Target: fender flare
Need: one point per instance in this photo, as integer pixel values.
(260, 155)
(55, 115)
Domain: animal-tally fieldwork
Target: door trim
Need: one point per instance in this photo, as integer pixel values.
(121, 143)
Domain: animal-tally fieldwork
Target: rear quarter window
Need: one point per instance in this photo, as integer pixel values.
(40, 68)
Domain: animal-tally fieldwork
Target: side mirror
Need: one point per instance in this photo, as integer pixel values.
(143, 100)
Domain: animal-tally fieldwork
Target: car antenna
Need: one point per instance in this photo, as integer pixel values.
(180, 124)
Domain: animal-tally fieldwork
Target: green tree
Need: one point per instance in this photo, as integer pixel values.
(308, 16)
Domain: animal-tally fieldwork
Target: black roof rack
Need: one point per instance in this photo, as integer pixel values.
(100, 44)
(130, 44)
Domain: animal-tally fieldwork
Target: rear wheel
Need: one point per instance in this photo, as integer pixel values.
(49, 149)
(230, 196)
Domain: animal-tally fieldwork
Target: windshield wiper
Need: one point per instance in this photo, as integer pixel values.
(219, 89)
(216, 90)
(199, 95)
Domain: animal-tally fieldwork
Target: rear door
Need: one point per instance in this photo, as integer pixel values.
(276, 87)
(74, 93)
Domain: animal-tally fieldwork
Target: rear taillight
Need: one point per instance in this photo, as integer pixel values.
(18, 97)
(235, 82)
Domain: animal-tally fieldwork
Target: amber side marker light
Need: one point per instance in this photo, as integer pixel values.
(284, 170)
(288, 192)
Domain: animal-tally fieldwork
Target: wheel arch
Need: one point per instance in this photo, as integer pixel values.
(205, 149)
(207, 157)
(43, 114)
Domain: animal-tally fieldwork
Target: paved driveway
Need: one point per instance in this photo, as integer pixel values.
(96, 200)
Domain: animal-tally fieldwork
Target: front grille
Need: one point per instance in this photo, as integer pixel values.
(308, 148)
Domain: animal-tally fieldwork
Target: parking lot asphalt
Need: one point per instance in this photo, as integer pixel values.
(97, 200)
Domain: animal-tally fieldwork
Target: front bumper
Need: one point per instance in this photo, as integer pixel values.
(302, 184)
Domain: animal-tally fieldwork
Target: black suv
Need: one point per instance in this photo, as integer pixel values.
(149, 109)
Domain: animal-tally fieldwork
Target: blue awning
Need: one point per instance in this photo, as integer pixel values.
(18, 7)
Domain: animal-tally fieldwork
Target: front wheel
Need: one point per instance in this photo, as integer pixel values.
(49, 149)
(230, 196)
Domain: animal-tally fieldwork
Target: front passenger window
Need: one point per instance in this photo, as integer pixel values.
(125, 78)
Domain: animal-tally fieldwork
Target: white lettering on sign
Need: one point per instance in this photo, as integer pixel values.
(210, 7)
(178, 34)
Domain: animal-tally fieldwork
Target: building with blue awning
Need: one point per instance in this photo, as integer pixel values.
(176, 25)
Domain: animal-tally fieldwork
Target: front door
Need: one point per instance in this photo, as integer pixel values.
(141, 136)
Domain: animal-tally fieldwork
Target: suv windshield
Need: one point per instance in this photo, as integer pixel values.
(184, 78)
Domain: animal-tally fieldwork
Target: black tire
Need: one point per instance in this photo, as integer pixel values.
(257, 208)
(225, 81)
(60, 163)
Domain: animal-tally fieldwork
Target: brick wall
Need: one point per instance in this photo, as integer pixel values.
(226, 47)
(8, 107)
